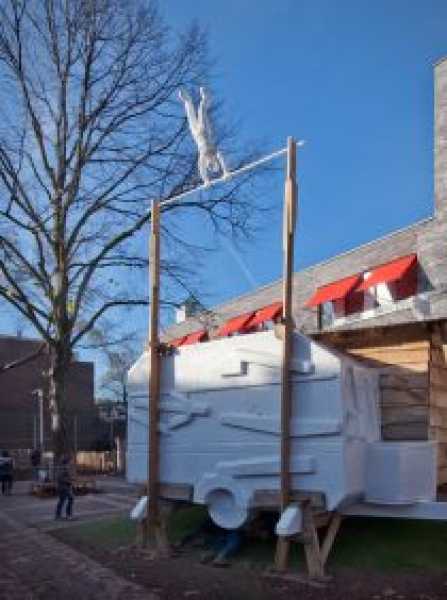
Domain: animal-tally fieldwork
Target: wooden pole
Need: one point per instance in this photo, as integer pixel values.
(41, 421)
(153, 459)
(290, 200)
(75, 441)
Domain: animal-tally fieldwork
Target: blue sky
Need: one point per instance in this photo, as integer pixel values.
(352, 77)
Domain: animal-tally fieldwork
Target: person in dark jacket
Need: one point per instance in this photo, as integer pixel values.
(64, 489)
(6, 473)
(36, 458)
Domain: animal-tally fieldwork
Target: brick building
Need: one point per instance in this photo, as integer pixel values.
(20, 414)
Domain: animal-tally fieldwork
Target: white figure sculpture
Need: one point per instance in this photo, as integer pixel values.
(210, 159)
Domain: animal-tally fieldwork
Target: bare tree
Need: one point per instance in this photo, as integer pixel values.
(90, 130)
(119, 359)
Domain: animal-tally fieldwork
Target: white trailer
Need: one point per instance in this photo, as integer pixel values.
(220, 432)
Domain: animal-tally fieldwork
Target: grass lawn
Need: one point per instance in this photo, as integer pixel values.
(121, 531)
(376, 544)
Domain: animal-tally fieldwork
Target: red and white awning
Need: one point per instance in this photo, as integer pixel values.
(267, 313)
(334, 291)
(177, 342)
(195, 337)
(239, 324)
(235, 325)
(389, 272)
(395, 270)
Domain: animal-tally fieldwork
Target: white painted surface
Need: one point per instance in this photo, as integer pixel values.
(384, 294)
(290, 522)
(220, 422)
(139, 511)
(401, 472)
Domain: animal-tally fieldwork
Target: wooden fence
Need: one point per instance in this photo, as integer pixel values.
(100, 462)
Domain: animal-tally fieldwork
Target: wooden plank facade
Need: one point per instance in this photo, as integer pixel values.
(413, 379)
(437, 392)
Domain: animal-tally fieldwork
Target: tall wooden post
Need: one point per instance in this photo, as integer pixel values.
(75, 441)
(153, 459)
(290, 200)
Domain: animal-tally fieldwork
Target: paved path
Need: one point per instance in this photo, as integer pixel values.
(39, 512)
(35, 566)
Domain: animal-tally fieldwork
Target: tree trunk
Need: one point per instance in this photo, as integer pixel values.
(60, 361)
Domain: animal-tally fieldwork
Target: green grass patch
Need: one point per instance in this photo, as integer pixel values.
(186, 521)
(107, 533)
(120, 531)
(391, 544)
(376, 544)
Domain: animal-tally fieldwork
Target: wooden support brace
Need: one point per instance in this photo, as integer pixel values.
(157, 532)
(161, 529)
(315, 566)
(329, 539)
(282, 553)
(316, 555)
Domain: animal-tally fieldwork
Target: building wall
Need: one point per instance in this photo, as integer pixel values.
(440, 137)
(19, 412)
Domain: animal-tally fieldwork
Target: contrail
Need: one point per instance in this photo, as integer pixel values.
(240, 262)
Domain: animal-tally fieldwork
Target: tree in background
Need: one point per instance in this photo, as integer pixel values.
(119, 359)
(91, 129)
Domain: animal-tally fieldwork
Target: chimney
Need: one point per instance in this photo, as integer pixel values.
(440, 141)
(190, 308)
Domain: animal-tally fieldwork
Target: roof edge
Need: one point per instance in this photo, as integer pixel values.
(329, 260)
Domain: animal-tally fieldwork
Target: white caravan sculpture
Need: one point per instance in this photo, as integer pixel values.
(220, 431)
(210, 159)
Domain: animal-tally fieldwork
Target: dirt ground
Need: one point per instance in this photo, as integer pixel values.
(45, 560)
(183, 576)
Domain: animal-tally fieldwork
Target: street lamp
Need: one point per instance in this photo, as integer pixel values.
(39, 395)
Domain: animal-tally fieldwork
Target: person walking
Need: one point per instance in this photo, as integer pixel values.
(6, 473)
(64, 490)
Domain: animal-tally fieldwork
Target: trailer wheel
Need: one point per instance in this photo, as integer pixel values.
(224, 509)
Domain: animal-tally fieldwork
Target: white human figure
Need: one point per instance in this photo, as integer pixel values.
(210, 159)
